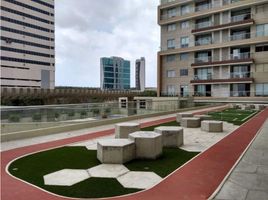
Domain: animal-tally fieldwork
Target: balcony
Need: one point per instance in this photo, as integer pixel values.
(205, 41)
(237, 20)
(235, 77)
(225, 60)
(241, 36)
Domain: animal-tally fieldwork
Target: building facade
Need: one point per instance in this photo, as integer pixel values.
(27, 44)
(140, 74)
(114, 73)
(213, 48)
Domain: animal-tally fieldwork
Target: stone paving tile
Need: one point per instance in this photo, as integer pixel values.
(66, 177)
(232, 191)
(108, 171)
(139, 180)
(257, 195)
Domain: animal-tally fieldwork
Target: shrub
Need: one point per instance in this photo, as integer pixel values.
(95, 111)
(37, 117)
(71, 113)
(14, 118)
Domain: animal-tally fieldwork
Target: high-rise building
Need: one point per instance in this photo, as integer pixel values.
(115, 73)
(140, 74)
(27, 43)
(213, 48)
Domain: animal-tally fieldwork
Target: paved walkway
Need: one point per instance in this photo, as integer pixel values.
(196, 180)
(249, 179)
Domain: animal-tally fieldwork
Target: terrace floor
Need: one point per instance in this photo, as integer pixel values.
(196, 180)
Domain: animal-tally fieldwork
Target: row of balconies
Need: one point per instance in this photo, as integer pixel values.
(208, 5)
(209, 40)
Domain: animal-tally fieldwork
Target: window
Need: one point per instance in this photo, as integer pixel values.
(185, 9)
(261, 47)
(262, 30)
(171, 12)
(184, 56)
(171, 27)
(184, 24)
(171, 44)
(262, 89)
(203, 74)
(171, 89)
(170, 58)
(171, 73)
(183, 72)
(184, 42)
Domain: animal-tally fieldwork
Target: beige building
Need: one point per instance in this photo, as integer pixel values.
(213, 48)
(27, 43)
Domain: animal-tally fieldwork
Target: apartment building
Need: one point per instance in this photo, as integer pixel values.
(114, 73)
(140, 74)
(213, 48)
(27, 44)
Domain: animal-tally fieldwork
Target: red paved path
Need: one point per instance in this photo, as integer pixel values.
(196, 180)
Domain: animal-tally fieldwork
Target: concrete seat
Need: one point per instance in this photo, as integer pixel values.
(172, 136)
(190, 122)
(148, 144)
(115, 151)
(212, 126)
(183, 115)
(203, 117)
(260, 107)
(122, 130)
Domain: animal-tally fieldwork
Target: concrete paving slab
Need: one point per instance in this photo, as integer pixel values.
(66, 177)
(108, 171)
(257, 195)
(139, 180)
(232, 191)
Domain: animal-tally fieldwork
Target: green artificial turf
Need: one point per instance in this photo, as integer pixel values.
(235, 116)
(32, 168)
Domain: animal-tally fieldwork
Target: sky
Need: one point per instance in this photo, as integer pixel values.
(87, 30)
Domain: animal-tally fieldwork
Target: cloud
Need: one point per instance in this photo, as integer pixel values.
(87, 30)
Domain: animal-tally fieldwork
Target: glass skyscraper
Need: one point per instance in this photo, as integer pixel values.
(115, 73)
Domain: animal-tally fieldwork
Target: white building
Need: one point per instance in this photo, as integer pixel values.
(27, 44)
(140, 74)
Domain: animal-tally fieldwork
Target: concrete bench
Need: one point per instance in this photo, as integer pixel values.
(148, 144)
(203, 117)
(122, 130)
(183, 115)
(212, 126)
(115, 151)
(190, 122)
(172, 136)
(261, 107)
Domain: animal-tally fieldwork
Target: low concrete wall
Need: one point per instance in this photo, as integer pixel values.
(73, 127)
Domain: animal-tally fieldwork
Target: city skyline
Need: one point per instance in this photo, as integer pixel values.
(84, 37)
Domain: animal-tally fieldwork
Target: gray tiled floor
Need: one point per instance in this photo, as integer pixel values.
(249, 179)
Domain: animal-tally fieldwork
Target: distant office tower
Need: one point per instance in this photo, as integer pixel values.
(27, 43)
(140, 74)
(115, 73)
(213, 48)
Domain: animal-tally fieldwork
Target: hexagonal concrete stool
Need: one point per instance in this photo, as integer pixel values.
(122, 130)
(247, 107)
(190, 122)
(183, 115)
(172, 136)
(108, 171)
(148, 144)
(66, 177)
(212, 126)
(139, 180)
(252, 106)
(204, 117)
(115, 151)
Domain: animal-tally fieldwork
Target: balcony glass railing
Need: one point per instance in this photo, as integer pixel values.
(203, 42)
(203, 59)
(239, 56)
(203, 7)
(240, 36)
(236, 75)
(204, 25)
(241, 17)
